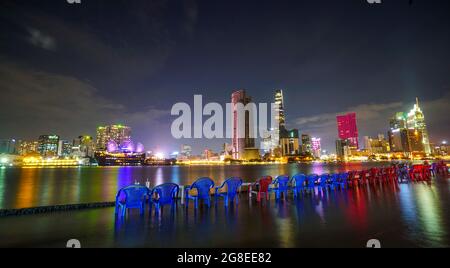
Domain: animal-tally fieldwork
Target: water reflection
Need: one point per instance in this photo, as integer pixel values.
(2, 185)
(430, 216)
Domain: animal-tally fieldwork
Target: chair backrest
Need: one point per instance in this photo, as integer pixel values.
(312, 178)
(335, 177)
(323, 178)
(203, 186)
(344, 176)
(299, 180)
(233, 185)
(166, 192)
(132, 195)
(264, 184)
(283, 182)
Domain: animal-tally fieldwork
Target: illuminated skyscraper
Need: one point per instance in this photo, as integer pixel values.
(64, 148)
(398, 133)
(273, 142)
(316, 147)
(347, 128)
(279, 108)
(48, 145)
(28, 147)
(117, 133)
(416, 122)
(306, 144)
(241, 141)
(8, 146)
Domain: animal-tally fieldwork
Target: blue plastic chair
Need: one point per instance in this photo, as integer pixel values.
(282, 186)
(203, 187)
(312, 179)
(343, 180)
(133, 196)
(299, 187)
(233, 185)
(334, 181)
(166, 194)
(323, 182)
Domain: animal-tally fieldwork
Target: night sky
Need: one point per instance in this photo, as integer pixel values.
(66, 69)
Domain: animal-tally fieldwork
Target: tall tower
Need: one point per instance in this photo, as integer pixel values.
(416, 121)
(241, 141)
(347, 128)
(279, 108)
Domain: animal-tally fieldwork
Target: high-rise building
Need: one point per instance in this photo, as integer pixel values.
(377, 145)
(8, 146)
(64, 148)
(316, 147)
(289, 142)
(415, 141)
(343, 149)
(306, 144)
(272, 141)
(408, 132)
(83, 146)
(416, 122)
(28, 147)
(398, 133)
(117, 133)
(241, 141)
(279, 108)
(48, 145)
(185, 152)
(347, 128)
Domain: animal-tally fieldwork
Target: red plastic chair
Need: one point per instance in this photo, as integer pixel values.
(416, 173)
(261, 188)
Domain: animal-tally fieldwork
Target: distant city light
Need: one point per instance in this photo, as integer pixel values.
(4, 160)
(444, 142)
(159, 155)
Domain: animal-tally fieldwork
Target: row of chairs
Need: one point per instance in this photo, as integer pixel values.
(136, 196)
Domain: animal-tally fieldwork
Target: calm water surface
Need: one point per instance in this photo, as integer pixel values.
(399, 215)
(30, 187)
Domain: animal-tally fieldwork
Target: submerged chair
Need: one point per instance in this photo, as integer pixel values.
(334, 181)
(312, 179)
(233, 184)
(282, 186)
(133, 196)
(164, 194)
(261, 188)
(323, 182)
(298, 184)
(203, 187)
(343, 180)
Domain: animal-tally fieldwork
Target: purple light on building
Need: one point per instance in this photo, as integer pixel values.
(111, 147)
(139, 148)
(127, 146)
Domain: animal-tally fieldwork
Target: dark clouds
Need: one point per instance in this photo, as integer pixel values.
(67, 68)
(39, 102)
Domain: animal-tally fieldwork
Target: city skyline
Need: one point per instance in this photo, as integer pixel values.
(132, 72)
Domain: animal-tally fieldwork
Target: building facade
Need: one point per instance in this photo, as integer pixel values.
(241, 141)
(289, 142)
(347, 128)
(306, 144)
(316, 146)
(117, 133)
(48, 145)
(9, 146)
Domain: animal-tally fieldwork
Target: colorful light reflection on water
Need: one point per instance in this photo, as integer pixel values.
(408, 214)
